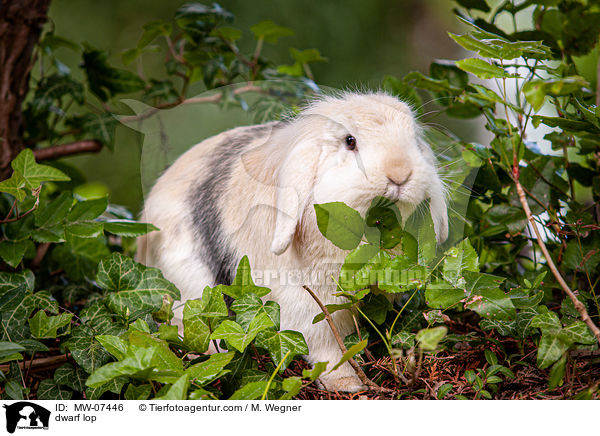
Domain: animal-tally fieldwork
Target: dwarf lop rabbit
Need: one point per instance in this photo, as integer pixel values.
(251, 190)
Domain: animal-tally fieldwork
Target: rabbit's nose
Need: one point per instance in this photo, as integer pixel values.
(397, 171)
(398, 175)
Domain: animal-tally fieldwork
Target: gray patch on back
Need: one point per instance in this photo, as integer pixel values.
(211, 246)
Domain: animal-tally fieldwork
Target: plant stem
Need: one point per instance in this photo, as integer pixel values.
(578, 304)
(359, 372)
(264, 395)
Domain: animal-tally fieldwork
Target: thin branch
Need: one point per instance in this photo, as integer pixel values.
(359, 372)
(214, 98)
(43, 363)
(578, 304)
(62, 150)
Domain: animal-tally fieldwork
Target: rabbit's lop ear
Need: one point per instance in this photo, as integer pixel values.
(295, 181)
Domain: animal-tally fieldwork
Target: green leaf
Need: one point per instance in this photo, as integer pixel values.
(50, 390)
(114, 345)
(278, 344)
(12, 252)
(201, 317)
(491, 303)
(292, 386)
(178, 390)
(383, 222)
(315, 372)
(557, 373)
(136, 290)
(141, 392)
(250, 305)
(484, 48)
(442, 295)
(342, 225)
(459, 258)
(128, 228)
(87, 210)
(205, 372)
(237, 336)
(547, 322)
(307, 56)
(444, 390)
(8, 349)
(14, 186)
(33, 173)
(106, 81)
(137, 363)
(242, 283)
(43, 326)
(429, 339)
(579, 333)
(270, 32)
(362, 267)
(250, 391)
(350, 353)
(551, 348)
(70, 376)
(481, 68)
(85, 349)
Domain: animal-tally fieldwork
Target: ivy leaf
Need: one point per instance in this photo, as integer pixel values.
(205, 372)
(551, 348)
(242, 283)
(429, 339)
(270, 32)
(141, 392)
(49, 219)
(579, 333)
(106, 81)
(237, 336)
(547, 322)
(250, 391)
(137, 363)
(43, 326)
(201, 317)
(278, 344)
(250, 305)
(459, 258)
(12, 252)
(442, 295)
(50, 390)
(15, 186)
(114, 345)
(85, 349)
(70, 376)
(8, 349)
(178, 390)
(13, 288)
(341, 224)
(136, 290)
(492, 303)
(33, 173)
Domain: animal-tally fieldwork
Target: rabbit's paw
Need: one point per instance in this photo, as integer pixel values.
(343, 384)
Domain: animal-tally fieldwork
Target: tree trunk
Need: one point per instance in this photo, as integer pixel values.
(21, 23)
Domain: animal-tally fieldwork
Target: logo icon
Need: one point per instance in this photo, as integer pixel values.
(26, 415)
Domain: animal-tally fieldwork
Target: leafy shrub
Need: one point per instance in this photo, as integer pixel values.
(70, 291)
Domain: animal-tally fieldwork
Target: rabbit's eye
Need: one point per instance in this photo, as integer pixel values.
(350, 142)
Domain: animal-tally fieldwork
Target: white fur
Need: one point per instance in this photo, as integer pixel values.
(267, 206)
